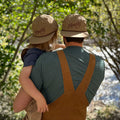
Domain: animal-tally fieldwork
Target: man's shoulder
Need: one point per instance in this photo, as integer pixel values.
(100, 64)
(99, 59)
(48, 56)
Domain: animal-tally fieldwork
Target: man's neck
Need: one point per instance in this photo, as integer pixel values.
(74, 44)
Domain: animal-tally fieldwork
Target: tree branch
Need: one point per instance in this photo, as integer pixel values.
(112, 58)
(111, 66)
(111, 18)
(26, 38)
(18, 27)
(21, 40)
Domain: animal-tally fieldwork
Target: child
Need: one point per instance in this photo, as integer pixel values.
(44, 33)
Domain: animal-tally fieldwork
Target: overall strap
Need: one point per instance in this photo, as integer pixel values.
(82, 88)
(67, 79)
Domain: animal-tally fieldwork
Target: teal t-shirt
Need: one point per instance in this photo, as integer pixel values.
(47, 76)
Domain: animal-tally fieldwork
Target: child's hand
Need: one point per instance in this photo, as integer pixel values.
(41, 104)
(59, 46)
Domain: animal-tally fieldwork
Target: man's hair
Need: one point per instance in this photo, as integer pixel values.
(74, 39)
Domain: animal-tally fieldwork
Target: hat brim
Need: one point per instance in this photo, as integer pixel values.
(40, 39)
(74, 34)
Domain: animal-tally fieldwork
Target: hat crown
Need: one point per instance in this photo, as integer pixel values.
(74, 25)
(44, 28)
(44, 25)
(74, 22)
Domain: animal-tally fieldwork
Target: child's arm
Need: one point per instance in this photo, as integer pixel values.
(31, 90)
(21, 101)
(59, 46)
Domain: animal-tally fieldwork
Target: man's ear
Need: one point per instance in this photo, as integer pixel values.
(64, 40)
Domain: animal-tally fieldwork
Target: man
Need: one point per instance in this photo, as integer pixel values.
(69, 79)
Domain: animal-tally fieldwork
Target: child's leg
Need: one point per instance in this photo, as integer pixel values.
(21, 101)
(34, 116)
(32, 113)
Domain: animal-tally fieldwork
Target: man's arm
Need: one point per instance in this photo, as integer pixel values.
(97, 78)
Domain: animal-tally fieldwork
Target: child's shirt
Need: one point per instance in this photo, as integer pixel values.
(30, 56)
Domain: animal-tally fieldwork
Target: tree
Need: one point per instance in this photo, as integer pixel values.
(107, 34)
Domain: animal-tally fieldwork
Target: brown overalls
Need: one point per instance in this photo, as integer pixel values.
(72, 104)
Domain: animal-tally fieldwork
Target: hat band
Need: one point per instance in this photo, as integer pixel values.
(73, 31)
(43, 35)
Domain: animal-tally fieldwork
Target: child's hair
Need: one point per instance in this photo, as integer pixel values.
(43, 46)
(47, 46)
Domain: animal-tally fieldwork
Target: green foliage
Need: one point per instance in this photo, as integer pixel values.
(6, 54)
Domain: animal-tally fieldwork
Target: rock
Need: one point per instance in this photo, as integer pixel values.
(97, 110)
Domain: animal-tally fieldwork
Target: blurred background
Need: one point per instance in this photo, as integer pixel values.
(103, 23)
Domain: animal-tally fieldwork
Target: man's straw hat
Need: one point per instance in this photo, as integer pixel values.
(74, 25)
(43, 27)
